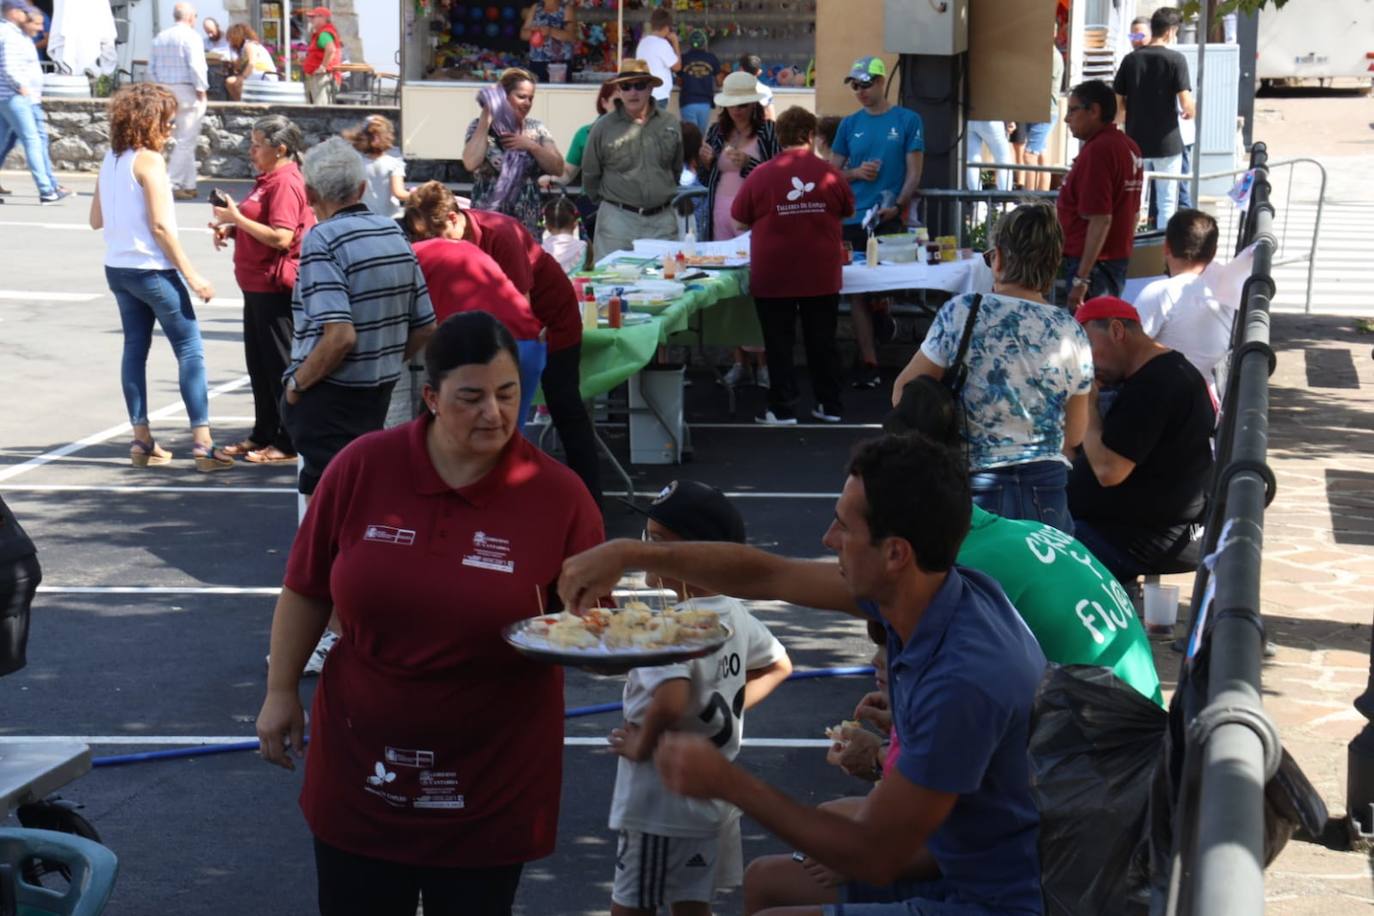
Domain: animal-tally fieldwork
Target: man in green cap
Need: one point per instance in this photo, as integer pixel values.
(880, 149)
(699, 71)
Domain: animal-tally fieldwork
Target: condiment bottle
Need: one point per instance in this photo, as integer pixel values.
(613, 309)
(871, 251)
(690, 243)
(589, 315)
(669, 267)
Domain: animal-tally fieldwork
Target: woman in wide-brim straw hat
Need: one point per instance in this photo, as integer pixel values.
(740, 140)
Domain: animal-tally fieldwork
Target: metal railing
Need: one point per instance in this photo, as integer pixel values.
(1232, 747)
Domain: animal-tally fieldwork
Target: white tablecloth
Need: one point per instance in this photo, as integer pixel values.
(967, 276)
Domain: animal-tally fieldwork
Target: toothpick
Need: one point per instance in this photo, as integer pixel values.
(539, 596)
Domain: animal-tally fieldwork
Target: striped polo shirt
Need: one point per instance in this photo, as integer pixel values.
(357, 267)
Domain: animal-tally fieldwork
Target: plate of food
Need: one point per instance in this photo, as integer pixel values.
(635, 636)
(718, 261)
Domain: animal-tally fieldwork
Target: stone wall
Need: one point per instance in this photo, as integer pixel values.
(79, 134)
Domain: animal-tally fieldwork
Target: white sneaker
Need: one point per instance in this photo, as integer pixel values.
(315, 664)
(825, 416)
(761, 377)
(781, 417)
(736, 376)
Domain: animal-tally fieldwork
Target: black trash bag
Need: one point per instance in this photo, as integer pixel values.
(1290, 799)
(1095, 742)
(20, 574)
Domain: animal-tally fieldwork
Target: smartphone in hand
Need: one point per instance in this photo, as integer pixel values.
(217, 198)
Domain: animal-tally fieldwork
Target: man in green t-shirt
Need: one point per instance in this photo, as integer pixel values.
(1078, 612)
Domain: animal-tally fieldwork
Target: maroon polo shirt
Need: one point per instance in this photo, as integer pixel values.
(1106, 177)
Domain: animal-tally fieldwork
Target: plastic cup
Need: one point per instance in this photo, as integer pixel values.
(1161, 609)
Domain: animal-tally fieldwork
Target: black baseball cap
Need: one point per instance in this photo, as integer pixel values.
(695, 511)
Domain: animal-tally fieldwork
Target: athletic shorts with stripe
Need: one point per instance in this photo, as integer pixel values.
(651, 871)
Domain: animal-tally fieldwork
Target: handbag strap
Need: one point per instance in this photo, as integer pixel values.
(957, 372)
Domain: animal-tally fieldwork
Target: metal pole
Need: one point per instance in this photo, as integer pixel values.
(1197, 103)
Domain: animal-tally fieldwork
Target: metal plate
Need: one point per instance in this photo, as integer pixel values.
(602, 658)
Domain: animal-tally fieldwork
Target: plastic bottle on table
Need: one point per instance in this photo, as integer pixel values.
(613, 309)
(690, 244)
(589, 315)
(871, 251)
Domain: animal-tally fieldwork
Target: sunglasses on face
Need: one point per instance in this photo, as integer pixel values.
(635, 87)
(857, 85)
(987, 257)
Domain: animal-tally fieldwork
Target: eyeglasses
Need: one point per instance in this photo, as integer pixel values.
(635, 87)
(987, 257)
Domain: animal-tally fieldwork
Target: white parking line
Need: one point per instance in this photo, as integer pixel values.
(79, 488)
(153, 590)
(738, 494)
(793, 426)
(39, 295)
(202, 740)
(107, 434)
(81, 227)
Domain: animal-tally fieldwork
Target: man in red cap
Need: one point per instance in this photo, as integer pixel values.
(1138, 488)
(325, 52)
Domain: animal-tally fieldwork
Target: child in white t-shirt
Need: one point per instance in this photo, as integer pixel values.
(659, 49)
(674, 850)
(561, 239)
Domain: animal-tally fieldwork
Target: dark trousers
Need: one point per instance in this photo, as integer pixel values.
(352, 885)
(19, 580)
(819, 317)
(560, 381)
(1108, 278)
(267, 325)
(327, 418)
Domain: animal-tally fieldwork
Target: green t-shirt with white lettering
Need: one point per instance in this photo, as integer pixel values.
(1077, 610)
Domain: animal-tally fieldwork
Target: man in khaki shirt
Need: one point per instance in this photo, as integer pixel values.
(632, 165)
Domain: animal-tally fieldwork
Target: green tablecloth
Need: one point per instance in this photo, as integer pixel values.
(610, 356)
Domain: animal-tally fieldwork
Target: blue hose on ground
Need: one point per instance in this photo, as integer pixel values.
(573, 713)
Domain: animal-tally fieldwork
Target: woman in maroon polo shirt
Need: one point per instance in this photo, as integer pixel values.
(428, 539)
(267, 229)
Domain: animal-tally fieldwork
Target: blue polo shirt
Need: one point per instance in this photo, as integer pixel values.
(961, 691)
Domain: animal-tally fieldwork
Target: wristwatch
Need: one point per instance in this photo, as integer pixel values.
(1081, 281)
(292, 384)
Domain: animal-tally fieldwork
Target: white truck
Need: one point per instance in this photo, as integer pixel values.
(1321, 40)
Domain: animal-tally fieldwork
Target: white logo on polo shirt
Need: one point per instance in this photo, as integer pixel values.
(800, 189)
(386, 534)
(490, 552)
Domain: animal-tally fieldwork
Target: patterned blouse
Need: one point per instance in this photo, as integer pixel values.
(553, 49)
(1025, 360)
(526, 205)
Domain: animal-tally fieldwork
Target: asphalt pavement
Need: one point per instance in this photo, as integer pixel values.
(158, 592)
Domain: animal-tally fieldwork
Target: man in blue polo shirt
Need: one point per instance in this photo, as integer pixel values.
(952, 830)
(880, 150)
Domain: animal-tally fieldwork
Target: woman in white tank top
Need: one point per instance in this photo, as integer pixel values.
(133, 205)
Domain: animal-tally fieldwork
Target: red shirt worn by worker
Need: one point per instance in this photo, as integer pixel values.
(433, 743)
(314, 55)
(463, 278)
(532, 270)
(794, 205)
(1106, 178)
(277, 200)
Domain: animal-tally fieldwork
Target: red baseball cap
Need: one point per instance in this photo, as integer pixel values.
(322, 11)
(1103, 307)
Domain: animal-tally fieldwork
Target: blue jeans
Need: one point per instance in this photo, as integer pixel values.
(25, 121)
(534, 355)
(1034, 491)
(1165, 191)
(1108, 278)
(698, 113)
(1185, 188)
(145, 297)
(905, 898)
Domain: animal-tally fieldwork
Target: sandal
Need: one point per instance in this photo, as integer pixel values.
(241, 448)
(208, 458)
(147, 454)
(269, 455)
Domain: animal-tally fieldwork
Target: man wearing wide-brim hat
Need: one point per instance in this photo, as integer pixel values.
(632, 164)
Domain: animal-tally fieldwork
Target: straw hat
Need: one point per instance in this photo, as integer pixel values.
(632, 70)
(740, 88)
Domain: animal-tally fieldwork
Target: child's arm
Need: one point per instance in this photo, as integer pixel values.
(762, 681)
(637, 742)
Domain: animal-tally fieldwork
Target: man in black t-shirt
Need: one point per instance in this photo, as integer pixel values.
(699, 70)
(1138, 489)
(1153, 90)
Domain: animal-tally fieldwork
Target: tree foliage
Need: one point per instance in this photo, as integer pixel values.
(1190, 8)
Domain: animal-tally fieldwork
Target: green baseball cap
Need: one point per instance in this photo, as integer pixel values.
(866, 70)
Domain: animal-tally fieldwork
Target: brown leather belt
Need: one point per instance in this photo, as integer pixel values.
(642, 211)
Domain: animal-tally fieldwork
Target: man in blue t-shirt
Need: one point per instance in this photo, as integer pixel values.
(698, 92)
(880, 149)
(952, 828)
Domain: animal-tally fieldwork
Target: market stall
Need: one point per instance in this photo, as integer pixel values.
(450, 48)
